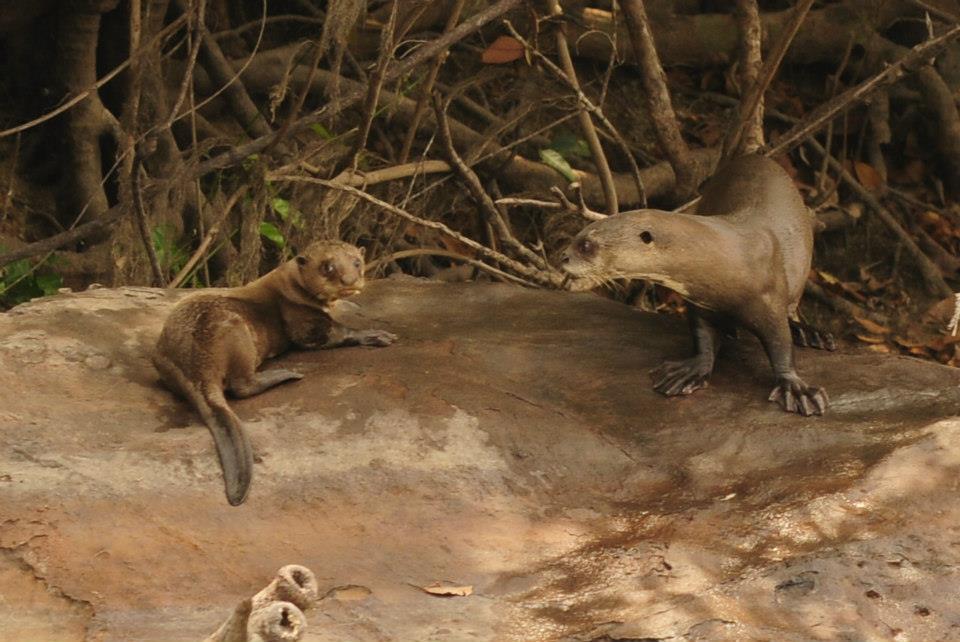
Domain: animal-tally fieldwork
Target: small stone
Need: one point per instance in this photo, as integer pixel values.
(97, 362)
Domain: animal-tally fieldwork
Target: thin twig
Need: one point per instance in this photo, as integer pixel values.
(838, 303)
(946, 16)
(521, 269)
(470, 179)
(593, 109)
(375, 85)
(426, 88)
(829, 110)
(586, 124)
(337, 105)
(78, 233)
(79, 98)
(395, 172)
(217, 65)
(406, 254)
(930, 273)
(220, 35)
(187, 268)
(511, 201)
(187, 82)
(581, 208)
(141, 218)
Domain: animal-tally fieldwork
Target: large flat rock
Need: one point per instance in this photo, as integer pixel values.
(509, 441)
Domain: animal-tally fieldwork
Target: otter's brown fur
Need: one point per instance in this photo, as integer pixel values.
(215, 342)
(742, 258)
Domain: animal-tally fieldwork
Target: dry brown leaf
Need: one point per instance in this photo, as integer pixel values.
(868, 176)
(452, 244)
(828, 278)
(448, 590)
(853, 289)
(879, 347)
(872, 326)
(502, 50)
(904, 342)
(869, 338)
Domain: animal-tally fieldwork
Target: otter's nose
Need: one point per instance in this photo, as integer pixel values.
(349, 278)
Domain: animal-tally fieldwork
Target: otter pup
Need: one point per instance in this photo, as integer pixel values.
(212, 342)
(742, 258)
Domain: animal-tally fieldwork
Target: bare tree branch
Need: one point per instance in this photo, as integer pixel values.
(754, 95)
(657, 94)
(338, 104)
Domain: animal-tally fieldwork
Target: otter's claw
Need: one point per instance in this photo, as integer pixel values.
(793, 395)
(375, 338)
(807, 336)
(673, 378)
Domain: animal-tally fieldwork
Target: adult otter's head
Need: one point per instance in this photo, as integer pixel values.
(330, 270)
(629, 245)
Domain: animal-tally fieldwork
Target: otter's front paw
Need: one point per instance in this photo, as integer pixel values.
(673, 378)
(375, 337)
(793, 395)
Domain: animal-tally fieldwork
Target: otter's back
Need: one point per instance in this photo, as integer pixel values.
(758, 196)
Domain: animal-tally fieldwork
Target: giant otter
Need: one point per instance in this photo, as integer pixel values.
(742, 258)
(212, 342)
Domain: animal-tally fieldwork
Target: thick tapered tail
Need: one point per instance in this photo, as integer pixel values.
(233, 447)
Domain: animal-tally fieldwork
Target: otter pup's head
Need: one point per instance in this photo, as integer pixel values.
(330, 270)
(627, 245)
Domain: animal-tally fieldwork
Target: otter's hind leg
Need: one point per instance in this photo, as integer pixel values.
(242, 379)
(673, 378)
(260, 381)
(791, 392)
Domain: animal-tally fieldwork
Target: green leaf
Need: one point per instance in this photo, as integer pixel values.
(270, 232)
(554, 159)
(296, 218)
(282, 207)
(49, 283)
(321, 131)
(569, 144)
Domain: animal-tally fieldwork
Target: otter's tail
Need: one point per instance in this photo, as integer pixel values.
(233, 447)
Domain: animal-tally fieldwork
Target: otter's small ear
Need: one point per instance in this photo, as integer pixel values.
(363, 251)
(646, 237)
(301, 259)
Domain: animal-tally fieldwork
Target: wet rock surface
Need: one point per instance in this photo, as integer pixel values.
(510, 441)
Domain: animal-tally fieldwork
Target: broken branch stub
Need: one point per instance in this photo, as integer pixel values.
(276, 622)
(275, 614)
(293, 583)
(581, 209)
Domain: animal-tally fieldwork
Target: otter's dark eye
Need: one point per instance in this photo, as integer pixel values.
(357, 263)
(646, 237)
(301, 260)
(328, 268)
(586, 248)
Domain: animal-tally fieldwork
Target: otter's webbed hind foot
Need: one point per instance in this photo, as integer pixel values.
(673, 378)
(793, 395)
(807, 336)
